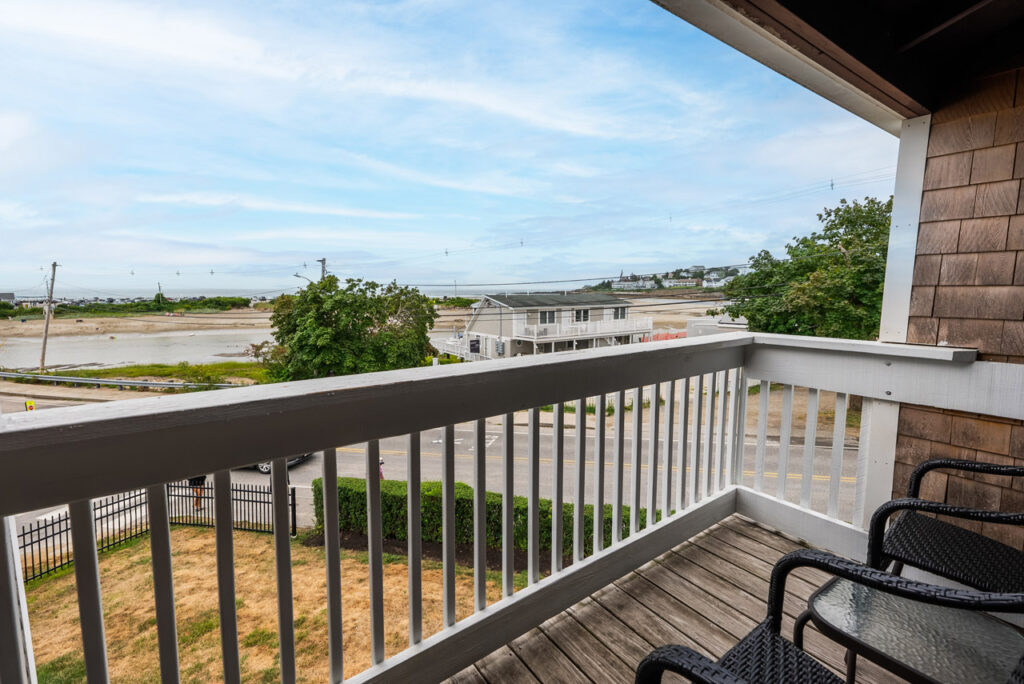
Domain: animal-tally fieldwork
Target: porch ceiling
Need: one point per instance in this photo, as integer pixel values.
(901, 57)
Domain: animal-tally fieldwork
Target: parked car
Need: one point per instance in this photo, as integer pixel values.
(294, 460)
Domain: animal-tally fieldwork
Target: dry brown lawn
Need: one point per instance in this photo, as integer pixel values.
(127, 586)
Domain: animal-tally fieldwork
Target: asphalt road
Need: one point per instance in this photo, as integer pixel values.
(352, 463)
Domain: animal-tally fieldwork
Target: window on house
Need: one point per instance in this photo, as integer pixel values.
(547, 317)
(619, 313)
(582, 315)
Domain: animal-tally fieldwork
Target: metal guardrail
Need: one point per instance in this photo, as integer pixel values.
(75, 380)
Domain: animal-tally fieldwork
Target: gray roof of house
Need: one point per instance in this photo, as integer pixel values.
(6, 296)
(527, 301)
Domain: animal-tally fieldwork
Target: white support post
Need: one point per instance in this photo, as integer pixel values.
(15, 634)
(879, 418)
(906, 215)
(876, 458)
(18, 663)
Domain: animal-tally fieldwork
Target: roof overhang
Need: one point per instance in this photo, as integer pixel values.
(883, 61)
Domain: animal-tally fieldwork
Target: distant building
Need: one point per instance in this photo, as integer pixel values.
(651, 284)
(503, 326)
(7, 297)
(634, 285)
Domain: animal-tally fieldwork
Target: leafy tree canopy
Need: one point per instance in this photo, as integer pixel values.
(829, 284)
(359, 327)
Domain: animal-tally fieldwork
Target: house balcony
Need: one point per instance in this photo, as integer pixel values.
(749, 449)
(549, 332)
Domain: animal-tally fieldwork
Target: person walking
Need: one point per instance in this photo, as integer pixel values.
(197, 483)
(381, 467)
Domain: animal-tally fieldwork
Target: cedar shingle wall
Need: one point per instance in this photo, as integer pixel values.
(969, 290)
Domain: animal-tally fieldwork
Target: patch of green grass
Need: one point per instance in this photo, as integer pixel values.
(147, 623)
(235, 369)
(67, 668)
(260, 637)
(193, 630)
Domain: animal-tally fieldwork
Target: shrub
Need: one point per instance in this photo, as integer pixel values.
(394, 507)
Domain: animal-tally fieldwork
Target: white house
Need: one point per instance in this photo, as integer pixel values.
(514, 324)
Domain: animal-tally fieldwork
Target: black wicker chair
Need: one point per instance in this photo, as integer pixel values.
(925, 542)
(764, 655)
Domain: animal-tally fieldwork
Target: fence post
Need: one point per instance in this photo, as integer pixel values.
(294, 526)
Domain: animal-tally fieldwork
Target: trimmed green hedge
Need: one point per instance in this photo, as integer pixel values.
(352, 514)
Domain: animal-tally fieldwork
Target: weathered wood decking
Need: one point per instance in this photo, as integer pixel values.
(706, 593)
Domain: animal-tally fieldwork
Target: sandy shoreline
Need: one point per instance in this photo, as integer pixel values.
(61, 327)
(666, 315)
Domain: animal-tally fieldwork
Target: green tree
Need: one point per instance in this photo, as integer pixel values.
(829, 285)
(359, 327)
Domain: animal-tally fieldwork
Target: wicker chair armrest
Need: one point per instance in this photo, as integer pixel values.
(876, 529)
(883, 581)
(684, 661)
(914, 484)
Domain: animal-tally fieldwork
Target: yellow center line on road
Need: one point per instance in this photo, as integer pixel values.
(571, 461)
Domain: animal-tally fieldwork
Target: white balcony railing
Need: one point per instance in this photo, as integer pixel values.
(623, 326)
(691, 462)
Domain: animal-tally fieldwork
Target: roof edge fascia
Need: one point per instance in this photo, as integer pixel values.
(721, 21)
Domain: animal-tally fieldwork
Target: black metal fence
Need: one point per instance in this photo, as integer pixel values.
(46, 545)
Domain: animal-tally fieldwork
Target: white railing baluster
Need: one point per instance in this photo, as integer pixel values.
(709, 436)
(283, 561)
(480, 516)
(87, 582)
(739, 426)
(720, 455)
(684, 433)
(634, 475)
(762, 435)
(618, 464)
(163, 582)
(838, 440)
(415, 524)
(224, 531)
(666, 477)
(580, 472)
(785, 438)
(652, 455)
(695, 457)
(332, 560)
(18, 663)
(448, 524)
(557, 484)
(599, 448)
(508, 548)
(810, 438)
(533, 503)
(730, 443)
(375, 551)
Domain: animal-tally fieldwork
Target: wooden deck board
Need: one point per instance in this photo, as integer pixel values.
(706, 593)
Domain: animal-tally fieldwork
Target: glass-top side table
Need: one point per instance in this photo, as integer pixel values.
(915, 640)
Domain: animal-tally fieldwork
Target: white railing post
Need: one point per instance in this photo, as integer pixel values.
(876, 458)
(18, 663)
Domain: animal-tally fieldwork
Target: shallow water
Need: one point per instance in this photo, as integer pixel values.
(201, 346)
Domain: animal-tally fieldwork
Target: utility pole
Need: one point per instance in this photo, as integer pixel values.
(323, 268)
(158, 288)
(47, 312)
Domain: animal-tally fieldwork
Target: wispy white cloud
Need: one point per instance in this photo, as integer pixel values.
(191, 38)
(491, 183)
(17, 216)
(213, 199)
(14, 127)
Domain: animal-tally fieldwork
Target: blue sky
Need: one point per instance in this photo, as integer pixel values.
(531, 140)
